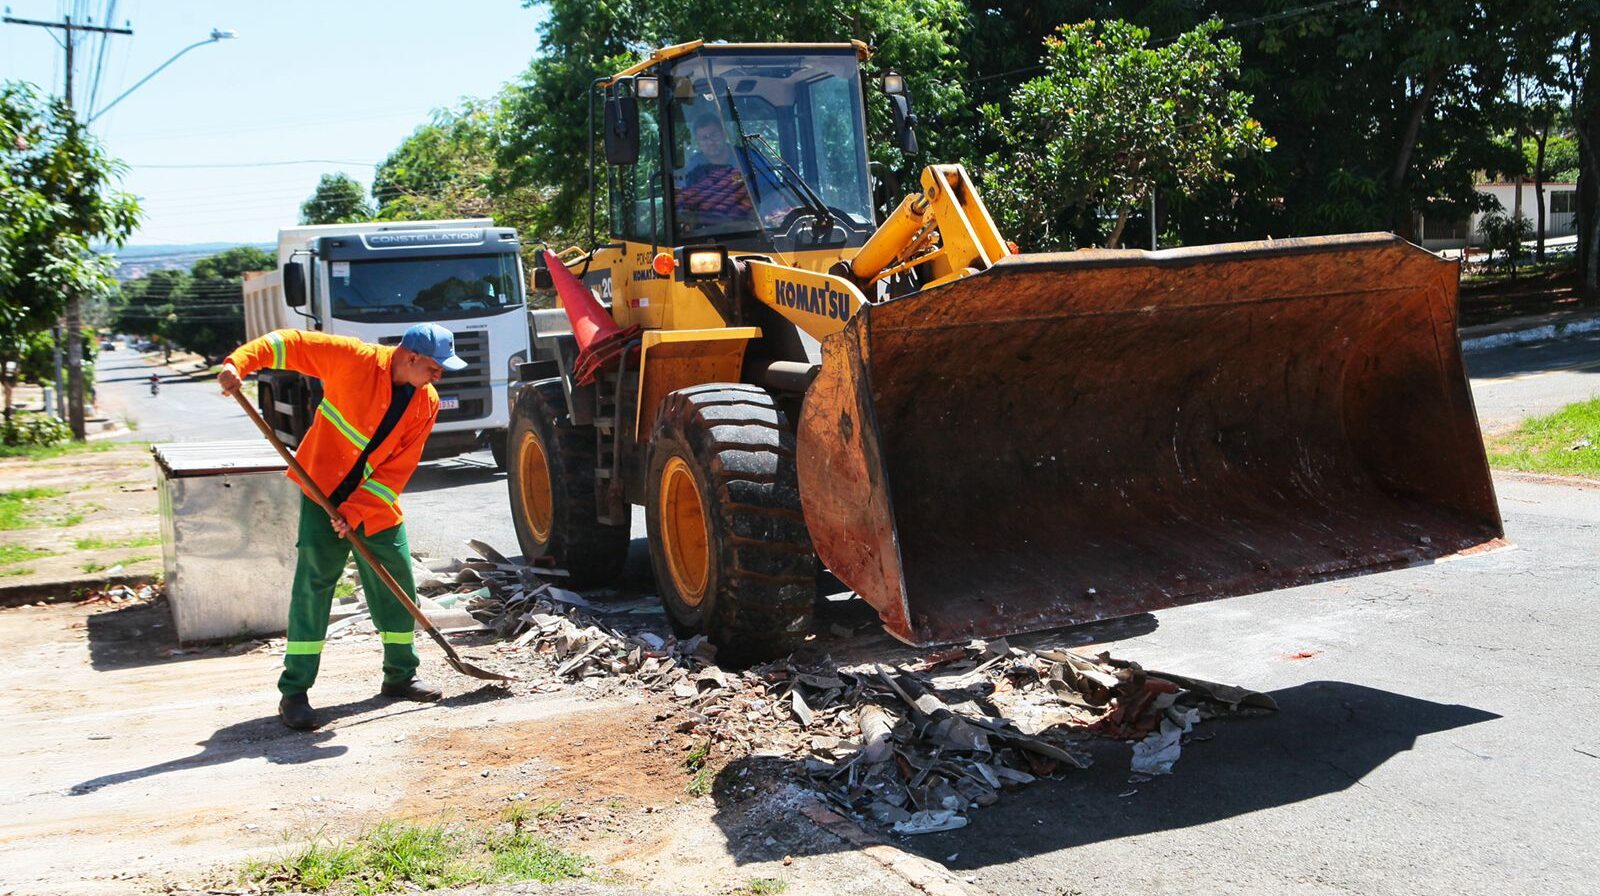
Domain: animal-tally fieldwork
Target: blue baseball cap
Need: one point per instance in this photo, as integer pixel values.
(433, 341)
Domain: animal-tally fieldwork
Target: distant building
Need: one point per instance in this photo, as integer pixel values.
(1456, 232)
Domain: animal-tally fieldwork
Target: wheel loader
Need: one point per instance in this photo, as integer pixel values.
(976, 441)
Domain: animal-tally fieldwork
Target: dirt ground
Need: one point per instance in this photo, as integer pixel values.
(140, 768)
(99, 519)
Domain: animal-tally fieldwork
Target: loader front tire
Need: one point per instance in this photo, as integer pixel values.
(550, 472)
(728, 542)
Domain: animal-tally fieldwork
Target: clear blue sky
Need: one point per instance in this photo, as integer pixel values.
(337, 79)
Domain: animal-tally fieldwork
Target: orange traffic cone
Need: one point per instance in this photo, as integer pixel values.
(600, 341)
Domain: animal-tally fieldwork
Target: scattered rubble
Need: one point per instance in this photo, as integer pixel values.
(913, 748)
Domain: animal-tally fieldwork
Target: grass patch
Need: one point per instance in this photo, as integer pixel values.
(1565, 443)
(45, 452)
(344, 590)
(101, 544)
(14, 505)
(15, 572)
(394, 857)
(17, 553)
(698, 764)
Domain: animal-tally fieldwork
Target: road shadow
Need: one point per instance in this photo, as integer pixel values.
(266, 738)
(1536, 357)
(1326, 737)
(139, 635)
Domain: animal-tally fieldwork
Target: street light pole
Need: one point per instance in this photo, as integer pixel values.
(217, 34)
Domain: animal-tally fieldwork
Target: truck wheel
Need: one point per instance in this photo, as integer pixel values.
(552, 484)
(728, 542)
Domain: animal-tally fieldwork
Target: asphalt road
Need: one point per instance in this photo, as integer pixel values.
(1436, 730)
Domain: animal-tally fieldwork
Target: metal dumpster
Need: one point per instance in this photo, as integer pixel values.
(228, 525)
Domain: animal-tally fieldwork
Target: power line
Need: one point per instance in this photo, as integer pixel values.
(260, 164)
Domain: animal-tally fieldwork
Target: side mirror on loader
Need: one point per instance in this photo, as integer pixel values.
(905, 124)
(621, 129)
(294, 285)
(541, 273)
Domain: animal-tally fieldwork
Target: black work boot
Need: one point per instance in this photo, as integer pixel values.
(295, 712)
(413, 688)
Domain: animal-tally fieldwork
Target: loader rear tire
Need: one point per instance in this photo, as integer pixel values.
(728, 541)
(550, 472)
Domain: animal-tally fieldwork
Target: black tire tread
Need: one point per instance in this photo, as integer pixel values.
(592, 553)
(765, 566)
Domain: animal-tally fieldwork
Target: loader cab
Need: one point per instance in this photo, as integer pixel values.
(754, 148)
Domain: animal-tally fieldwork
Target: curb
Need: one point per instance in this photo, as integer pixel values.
(1557, 330)
(64, 591)
(925, 874)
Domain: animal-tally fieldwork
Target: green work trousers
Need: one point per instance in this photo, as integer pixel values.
(322, 556)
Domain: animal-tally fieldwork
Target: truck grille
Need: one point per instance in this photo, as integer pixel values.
(469, 386)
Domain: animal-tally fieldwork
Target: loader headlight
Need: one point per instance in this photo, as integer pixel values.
(703, 262)
(894, 83)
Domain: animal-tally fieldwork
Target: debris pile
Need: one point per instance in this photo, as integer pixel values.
(914, 747)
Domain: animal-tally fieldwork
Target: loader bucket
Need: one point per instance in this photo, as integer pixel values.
(1071, 437)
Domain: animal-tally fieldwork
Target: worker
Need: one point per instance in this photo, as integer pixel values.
(365, 441)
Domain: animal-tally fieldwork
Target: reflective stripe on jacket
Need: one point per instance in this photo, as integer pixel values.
(356, 387)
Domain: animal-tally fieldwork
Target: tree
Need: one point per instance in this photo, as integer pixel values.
(207, 315)
(57, 190)
(142, 306)
(445, 169)
(1109, 120)
(338, 200)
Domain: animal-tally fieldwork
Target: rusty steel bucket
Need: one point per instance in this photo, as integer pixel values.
(1071, 437)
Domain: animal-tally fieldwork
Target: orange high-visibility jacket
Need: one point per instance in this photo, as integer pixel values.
(356, 384)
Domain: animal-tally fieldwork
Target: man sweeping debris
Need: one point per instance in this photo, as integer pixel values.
(378, 407)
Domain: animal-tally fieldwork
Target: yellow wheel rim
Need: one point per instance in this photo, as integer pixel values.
(683, 532)
(538, 502)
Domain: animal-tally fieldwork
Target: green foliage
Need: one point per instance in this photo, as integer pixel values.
(1504, 235)
(57, 197)
(445, 169)
(1566, 443)
(201, 310)
(29, 430)
(522, 856)
(338, 200)
(1110, 120)
(762, 886)
(1560, 158)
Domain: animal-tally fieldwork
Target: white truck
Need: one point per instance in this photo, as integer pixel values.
(374, 280)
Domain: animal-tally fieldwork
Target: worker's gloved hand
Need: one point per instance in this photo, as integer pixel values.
(228, 379)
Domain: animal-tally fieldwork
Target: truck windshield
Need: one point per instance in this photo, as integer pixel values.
(424, 288)
(761, 135)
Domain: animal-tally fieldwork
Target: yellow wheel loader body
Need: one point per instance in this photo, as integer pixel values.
(978, 442)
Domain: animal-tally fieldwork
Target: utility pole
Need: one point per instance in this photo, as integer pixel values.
(72, 320)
